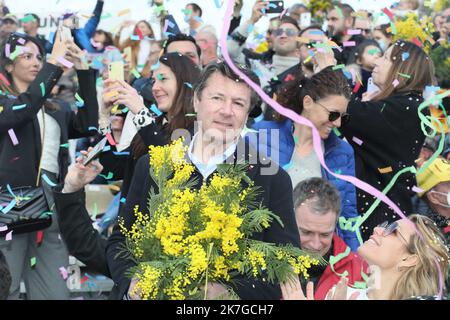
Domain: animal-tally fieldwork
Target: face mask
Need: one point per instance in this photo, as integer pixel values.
(382, 45)
(448, 199)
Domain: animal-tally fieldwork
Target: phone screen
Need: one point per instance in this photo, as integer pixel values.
(275, 7)
(95, 152)
(116, 71)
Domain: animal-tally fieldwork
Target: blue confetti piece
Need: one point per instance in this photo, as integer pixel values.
(218, 4)
(197, 18)
(155, 66)
(134, 37)
(22, 106)
(188, 85)
(405, 56)
(106, 148)
(10, 190)
(287, 166)
(250, 28)
(51, 37)
(155, 110)
(122, 200)
(169, 34)
(347, 74)
(79, 104)
(259, 118)
(316, 32)
(92, 129)
(272, 5)
(186, 18)
(171, 24)
(124, 153)
(48, 181)
(101, 278)
(9, 206)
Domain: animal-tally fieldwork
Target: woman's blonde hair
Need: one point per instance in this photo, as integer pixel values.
(433, 261)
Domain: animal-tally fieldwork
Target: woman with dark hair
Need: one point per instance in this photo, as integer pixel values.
(384, 128)
(323, 100)
(33, 131)
(172, 90)
(140, 47)
(382, 36)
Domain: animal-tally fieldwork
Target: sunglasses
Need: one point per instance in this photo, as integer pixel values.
(289, 32)
(334, 115)
(391, 228)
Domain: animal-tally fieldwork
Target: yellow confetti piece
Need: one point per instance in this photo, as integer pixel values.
(303, 40)
(114, 109)
(385, 170)
(123, 12)
(1, 109)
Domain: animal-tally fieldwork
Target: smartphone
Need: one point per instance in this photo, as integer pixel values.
(305, 20)
(66, 34)
(275, 7)
(116, 71)
(371, 87)
(127, 53)
(95, 152)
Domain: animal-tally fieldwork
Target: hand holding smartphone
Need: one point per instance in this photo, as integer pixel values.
(95, 152)
(275, 7)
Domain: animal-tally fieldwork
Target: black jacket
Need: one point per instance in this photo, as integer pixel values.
(75, 225)
(19, 164)
(391, 137)
(276, 195)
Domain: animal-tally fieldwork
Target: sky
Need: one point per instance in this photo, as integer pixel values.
(141, 10)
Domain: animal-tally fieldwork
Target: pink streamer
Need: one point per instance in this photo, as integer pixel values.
(13, 137)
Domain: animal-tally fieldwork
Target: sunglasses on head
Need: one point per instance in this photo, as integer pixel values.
(334, 115)
(289, 32)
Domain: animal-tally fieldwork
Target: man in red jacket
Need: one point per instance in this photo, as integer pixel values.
(317, 206)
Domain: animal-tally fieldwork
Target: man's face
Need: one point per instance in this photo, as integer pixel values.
(100, 39)
(336, 24)
(8, 26)
(186, 48)
(316, 230)
(270, 35)
(29, 26)
(222, 108)
(285, 43)
(193, 15)
(364, 25)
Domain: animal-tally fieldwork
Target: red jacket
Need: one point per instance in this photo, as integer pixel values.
(353, 263)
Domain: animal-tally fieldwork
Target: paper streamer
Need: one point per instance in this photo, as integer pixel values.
(65, 62)
(301, 120)
(8, 236)
(48, 181)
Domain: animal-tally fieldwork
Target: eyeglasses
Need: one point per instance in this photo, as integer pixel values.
(289, 32)
(334, 115)
(393, 227)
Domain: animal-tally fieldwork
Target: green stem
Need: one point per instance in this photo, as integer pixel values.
(207, 267)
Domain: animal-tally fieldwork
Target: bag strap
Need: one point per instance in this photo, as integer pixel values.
(42, 146)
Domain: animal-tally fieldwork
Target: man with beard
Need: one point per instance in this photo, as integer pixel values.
(340, 20)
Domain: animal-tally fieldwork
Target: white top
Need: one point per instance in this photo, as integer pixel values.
(51, 141)
(144, 53)
(211, 166)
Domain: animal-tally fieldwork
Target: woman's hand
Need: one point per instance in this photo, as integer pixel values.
(292, 290)
(127, 96)
(80, 175)
(257, 10)
(59, 50)
(339, 291)
(76, 56)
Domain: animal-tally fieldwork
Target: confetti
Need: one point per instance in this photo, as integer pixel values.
(395, 83)
(42, 88)
(385, 170)
(33, 262)
(303, 40)
(417, 189)
(337, 132)
(122, 200)
(155, 110)
(28, 18)
(356, 88)
(123, 12)
(39, 237)
(16, 52)
(250, 28)
(63, 272)
(92, 129)
(373, 51)
(388, 13)
(1, 109)
(107, 177)
(349, 43)
(353, 32)
(218, 4)
(65, 62)
(134, 37)
(124, 153)
(339, 66)
(135, 73)
(4, 80)
(159, 76)
(357, 141)
(405, 56)
(9, 206)
(417, 42)
(393, 28)
(8, 236)
(65, 145)
(188, 85)
(8, 50)
(48, 181)
(339, 12)
(287, 166)
(289, 77)
(80, 101)
(404, 75)
(13, 137)
(22, 106)
(106, 16)
(110, 139)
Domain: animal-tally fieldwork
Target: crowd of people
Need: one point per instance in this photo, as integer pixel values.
(367, 90)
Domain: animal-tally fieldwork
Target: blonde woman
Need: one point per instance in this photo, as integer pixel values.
(404, 263)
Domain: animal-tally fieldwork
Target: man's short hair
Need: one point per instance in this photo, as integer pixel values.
(196, 8)
(346, 9)
(182, 37)
(222, 68)
(287, 19)
(322, 196)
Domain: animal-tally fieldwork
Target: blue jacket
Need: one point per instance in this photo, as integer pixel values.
(338, 156)
(83, 36)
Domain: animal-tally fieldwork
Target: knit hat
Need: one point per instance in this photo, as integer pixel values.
(438, 171)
